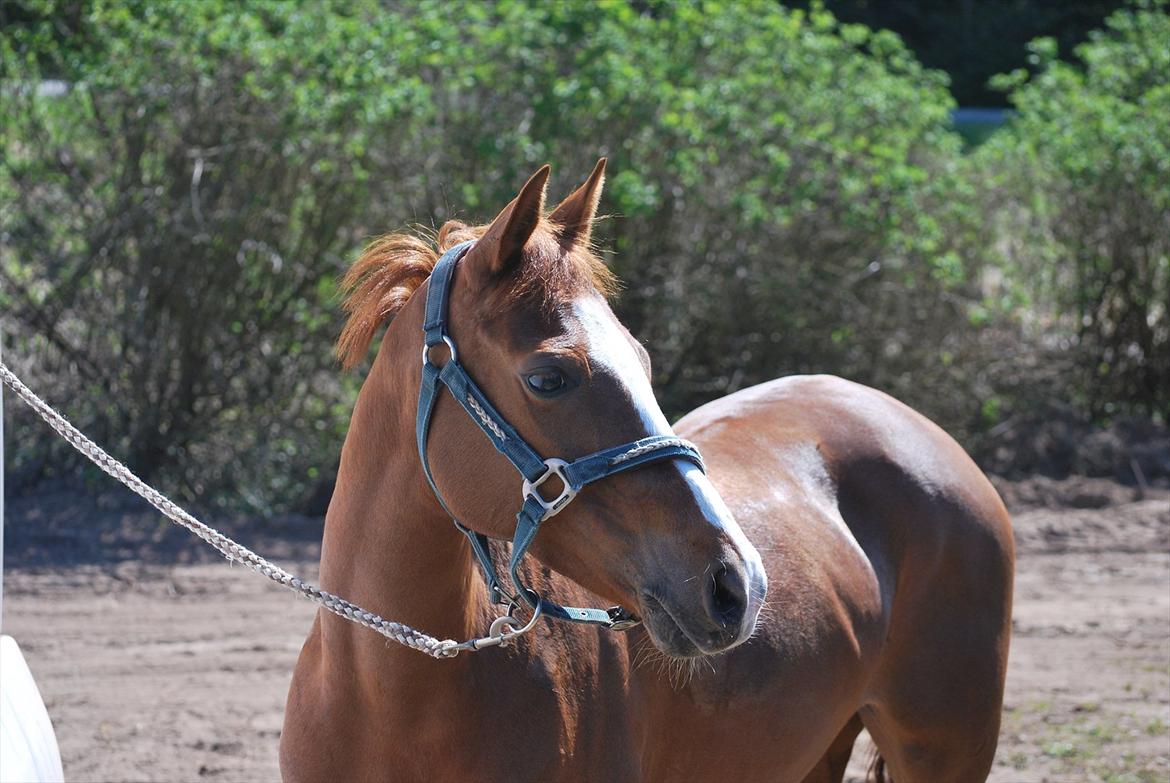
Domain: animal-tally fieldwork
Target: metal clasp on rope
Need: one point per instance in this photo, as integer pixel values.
(503, 629)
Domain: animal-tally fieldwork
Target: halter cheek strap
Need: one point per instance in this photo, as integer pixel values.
(534, 470)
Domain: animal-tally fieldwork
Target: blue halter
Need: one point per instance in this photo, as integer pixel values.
(535, 471)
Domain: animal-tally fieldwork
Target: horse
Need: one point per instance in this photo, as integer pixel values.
(833, 561)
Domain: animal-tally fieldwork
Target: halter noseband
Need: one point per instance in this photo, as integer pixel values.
(535, 471)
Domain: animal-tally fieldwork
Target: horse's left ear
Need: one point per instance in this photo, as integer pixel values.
(502, 245)
(573, 217)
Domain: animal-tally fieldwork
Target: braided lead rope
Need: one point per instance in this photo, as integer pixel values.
(403, 634)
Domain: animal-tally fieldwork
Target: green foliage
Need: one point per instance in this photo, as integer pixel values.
(793, 167)
(787, 194)
(1080, 184)
(175, 219)
(774, 175)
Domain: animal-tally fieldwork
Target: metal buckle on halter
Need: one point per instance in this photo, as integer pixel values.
(426, 355)
(552, 467)
(621, 619)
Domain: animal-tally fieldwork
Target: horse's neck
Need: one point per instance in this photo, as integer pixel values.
(388, 546)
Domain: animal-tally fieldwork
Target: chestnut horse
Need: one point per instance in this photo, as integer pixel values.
(885, 554)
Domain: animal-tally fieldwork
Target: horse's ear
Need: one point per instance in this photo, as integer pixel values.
(502, 245)
(574, 215)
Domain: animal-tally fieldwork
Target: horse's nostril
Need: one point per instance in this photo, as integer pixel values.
(727, 599)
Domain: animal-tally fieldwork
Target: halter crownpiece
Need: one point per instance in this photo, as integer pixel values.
(534, 470)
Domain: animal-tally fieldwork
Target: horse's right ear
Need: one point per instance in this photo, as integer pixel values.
(574, 215)
(502, 245)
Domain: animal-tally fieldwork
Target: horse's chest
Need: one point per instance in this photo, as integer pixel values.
(521, 720)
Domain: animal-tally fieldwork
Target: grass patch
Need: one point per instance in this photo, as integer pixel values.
(1060, 749)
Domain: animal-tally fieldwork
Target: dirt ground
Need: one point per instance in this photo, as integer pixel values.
(159, 663)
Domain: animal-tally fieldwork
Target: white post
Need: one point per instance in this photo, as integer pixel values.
(1, 489)
(28, 746)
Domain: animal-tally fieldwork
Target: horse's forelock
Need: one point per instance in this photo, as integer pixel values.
(393, 266)
(550, 275)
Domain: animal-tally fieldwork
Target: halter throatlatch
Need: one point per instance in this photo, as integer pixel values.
(534, 470)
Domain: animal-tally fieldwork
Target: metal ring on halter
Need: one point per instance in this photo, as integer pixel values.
(426, 356)
(552, 467)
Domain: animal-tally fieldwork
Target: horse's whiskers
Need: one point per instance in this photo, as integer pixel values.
(678, 671)
(645, 653)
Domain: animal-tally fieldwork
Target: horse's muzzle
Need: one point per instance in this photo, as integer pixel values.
(709, 615)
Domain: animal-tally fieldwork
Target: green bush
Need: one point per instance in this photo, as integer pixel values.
(181, 210)
(787, 196)
(778, 186)
(1077, 189)
(173, 224)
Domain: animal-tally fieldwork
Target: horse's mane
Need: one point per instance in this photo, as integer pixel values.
(393, 266)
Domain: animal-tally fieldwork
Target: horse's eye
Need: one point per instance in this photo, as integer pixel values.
(546, 381)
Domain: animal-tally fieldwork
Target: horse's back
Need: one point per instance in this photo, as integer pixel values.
(877, 530)
(907, 491)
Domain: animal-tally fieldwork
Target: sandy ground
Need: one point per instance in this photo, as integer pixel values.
(177, 670)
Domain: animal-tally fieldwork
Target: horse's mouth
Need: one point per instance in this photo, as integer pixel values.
(666, 632)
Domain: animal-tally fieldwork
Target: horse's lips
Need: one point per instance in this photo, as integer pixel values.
(655, 614)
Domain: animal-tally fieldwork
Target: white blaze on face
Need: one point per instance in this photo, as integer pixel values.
(609, 348)
(719, 514)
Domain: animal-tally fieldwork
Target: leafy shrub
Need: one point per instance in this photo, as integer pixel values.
(1077, 190)
(180, 211)
(787, 197)
(176, 212)
(780, 184)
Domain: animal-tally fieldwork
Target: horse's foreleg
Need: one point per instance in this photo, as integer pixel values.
(831, 767)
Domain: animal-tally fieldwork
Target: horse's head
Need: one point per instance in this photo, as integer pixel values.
(529, 315)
